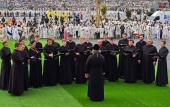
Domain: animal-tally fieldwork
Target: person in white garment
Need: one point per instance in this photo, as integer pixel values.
(157, 31)
(87, 30)
(9, 32)
(168, 31)
(56, 30)
(44, 29)
(93, 30)
(15, 33)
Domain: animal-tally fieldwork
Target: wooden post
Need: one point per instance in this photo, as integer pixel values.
(98, 3)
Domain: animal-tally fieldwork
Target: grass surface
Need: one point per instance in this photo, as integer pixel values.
(117, 94)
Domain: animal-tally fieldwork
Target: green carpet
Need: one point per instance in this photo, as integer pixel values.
(117, 94)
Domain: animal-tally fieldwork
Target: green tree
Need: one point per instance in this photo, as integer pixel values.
(103, 9)
(149, 13)
(128, 13)
(30, 7)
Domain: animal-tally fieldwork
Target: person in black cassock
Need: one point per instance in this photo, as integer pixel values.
(57, 46)
(112, 70)
(87, 43)
(102, 48)
(65, 66)
(80, 51)
(130, 72)
(25, 57)
(89, 46)
(95, 67)
(162, 72)
(122, 43)
(139, 46)
(71, 44)
(35, 66)
(105, 41)
(16, 80)
(50, 71)
(146, 58)
(22, 42)
(5, 65)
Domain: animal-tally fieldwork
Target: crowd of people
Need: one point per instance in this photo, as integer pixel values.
(60, 29)
(73, 5)
(68, 62)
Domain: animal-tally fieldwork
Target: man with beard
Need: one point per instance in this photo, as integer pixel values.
(148, 61)
(112, 71)
(5, 65)
(71, 44)
(139, 46)
(122, 44)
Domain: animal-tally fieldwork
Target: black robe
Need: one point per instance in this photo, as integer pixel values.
(95, 67)
(130, 71)
(80, 63)
(25, 57)
(103, 51)
(50, 71)
(57, 46)
(26, 48)
(65, 66)
(88, 44)
(5, 67)
(71, 45)
(112, 70)
(139, 46)
(105, 42)
(35, 68)
(162, 75)
(148, 70)
(121, 57)
(16, 82)
(89, 48)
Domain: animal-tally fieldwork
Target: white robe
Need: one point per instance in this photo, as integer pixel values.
(9, 31)
(44, 29)
(25, 33)
(86, 31)
(15, 33)
(165, 32)
(56, 31)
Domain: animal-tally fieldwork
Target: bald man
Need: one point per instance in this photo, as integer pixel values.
(148, 61)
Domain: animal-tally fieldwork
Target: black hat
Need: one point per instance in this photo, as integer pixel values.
(96, 47)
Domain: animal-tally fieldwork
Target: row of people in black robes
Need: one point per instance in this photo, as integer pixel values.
(73, 61)
(144, 55)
